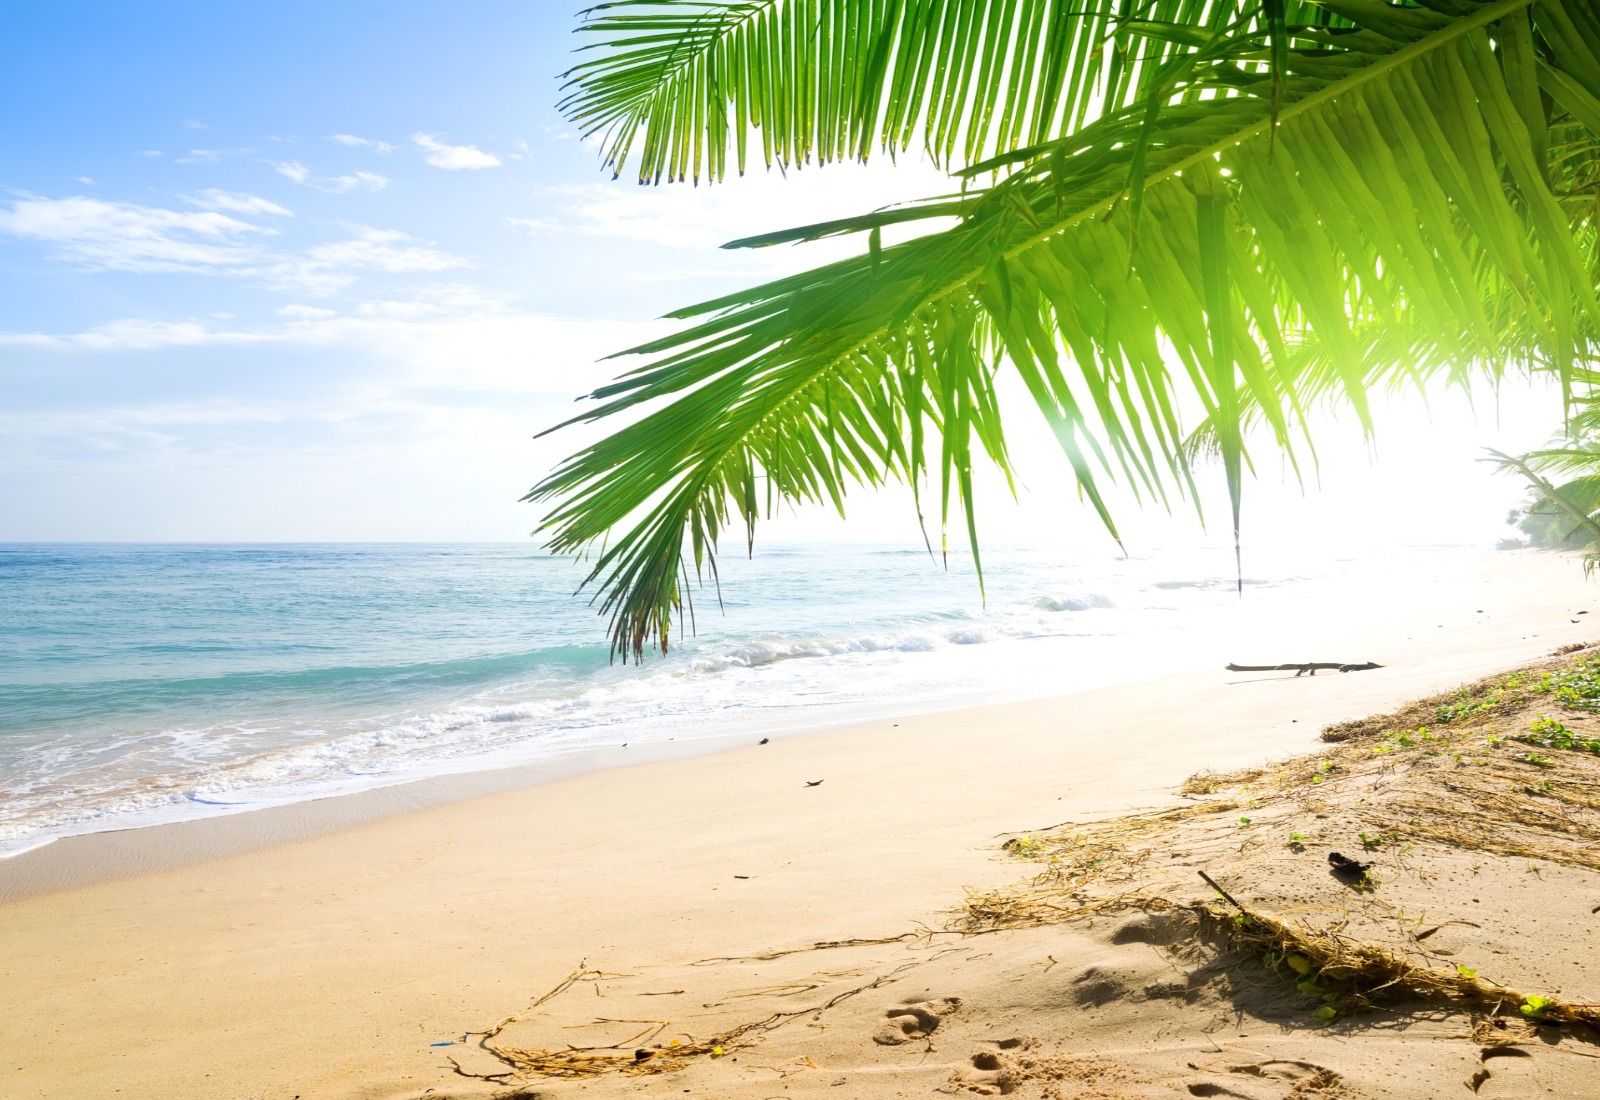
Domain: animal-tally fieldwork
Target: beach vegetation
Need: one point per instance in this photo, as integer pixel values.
(1536, 1007)
(1171, 233)
(1548, 733)
(1419, 810)
(1024, 846)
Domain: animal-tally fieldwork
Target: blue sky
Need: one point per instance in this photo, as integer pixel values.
(320, 271)
(311, 271)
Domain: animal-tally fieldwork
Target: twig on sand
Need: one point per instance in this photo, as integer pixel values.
(1227, 897)
(1306, 667)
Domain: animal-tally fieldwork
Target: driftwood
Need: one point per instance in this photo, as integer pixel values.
(1311, 667)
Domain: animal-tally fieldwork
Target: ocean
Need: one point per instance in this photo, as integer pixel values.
(142, 684)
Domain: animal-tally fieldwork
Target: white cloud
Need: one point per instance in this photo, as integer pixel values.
(439, 300)
(381, 249)
(87, 181)
(151, 153)
(297, 312)
(697, 220)
(333, 266)
(365, 181)
(123, 236)
(442, 336)
(236, 202)
(191, 124)
(132, 335)
(293, 169)
(370, 143)
(453, 157)
(336, 185)
(211, 156)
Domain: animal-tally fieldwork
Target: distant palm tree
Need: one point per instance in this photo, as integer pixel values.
(1172, 219)
(1564, 512)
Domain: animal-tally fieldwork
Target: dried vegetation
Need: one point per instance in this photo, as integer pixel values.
(1508, 766)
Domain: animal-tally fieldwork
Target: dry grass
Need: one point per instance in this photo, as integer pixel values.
(1354, 975)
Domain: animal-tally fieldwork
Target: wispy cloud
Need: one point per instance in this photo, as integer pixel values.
(297, 311)
(211, 156)
(331, 267)
(440, 335)
(124, 236)
(364, 181)
(336, 185)
(696, 221)
(214, 240)
(236, 202)
(453, 157)
(132, 335)
(293, 169)
(191, 124)
(369, 143)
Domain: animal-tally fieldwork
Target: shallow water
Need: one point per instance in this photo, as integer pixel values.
(150, 683)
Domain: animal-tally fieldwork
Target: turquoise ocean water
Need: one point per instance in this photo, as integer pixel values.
(150, 683)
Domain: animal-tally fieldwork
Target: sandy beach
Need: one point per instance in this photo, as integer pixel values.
(334, 957)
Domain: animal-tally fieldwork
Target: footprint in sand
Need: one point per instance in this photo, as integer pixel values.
(914, 1021)
(1506, 1071)
(988, 1076)
(1156, 929)
(1272, 1080)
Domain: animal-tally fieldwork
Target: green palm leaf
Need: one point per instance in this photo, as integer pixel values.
(826, 80)
(1287, 209)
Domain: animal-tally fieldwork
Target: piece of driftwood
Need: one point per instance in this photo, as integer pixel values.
(1300, 669)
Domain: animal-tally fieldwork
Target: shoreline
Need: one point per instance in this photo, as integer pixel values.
(328, 964)
(1113, 624)
(83, 859)
(114, 849)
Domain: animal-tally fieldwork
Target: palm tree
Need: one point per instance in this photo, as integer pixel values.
(1565, 514)
(1174, 220)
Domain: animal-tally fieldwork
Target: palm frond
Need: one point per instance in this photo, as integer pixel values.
(1230, 247)
(692, 83)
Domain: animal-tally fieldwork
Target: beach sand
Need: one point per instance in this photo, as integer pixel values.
(333, 964)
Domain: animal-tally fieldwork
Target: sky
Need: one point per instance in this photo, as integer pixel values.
(312, 272)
